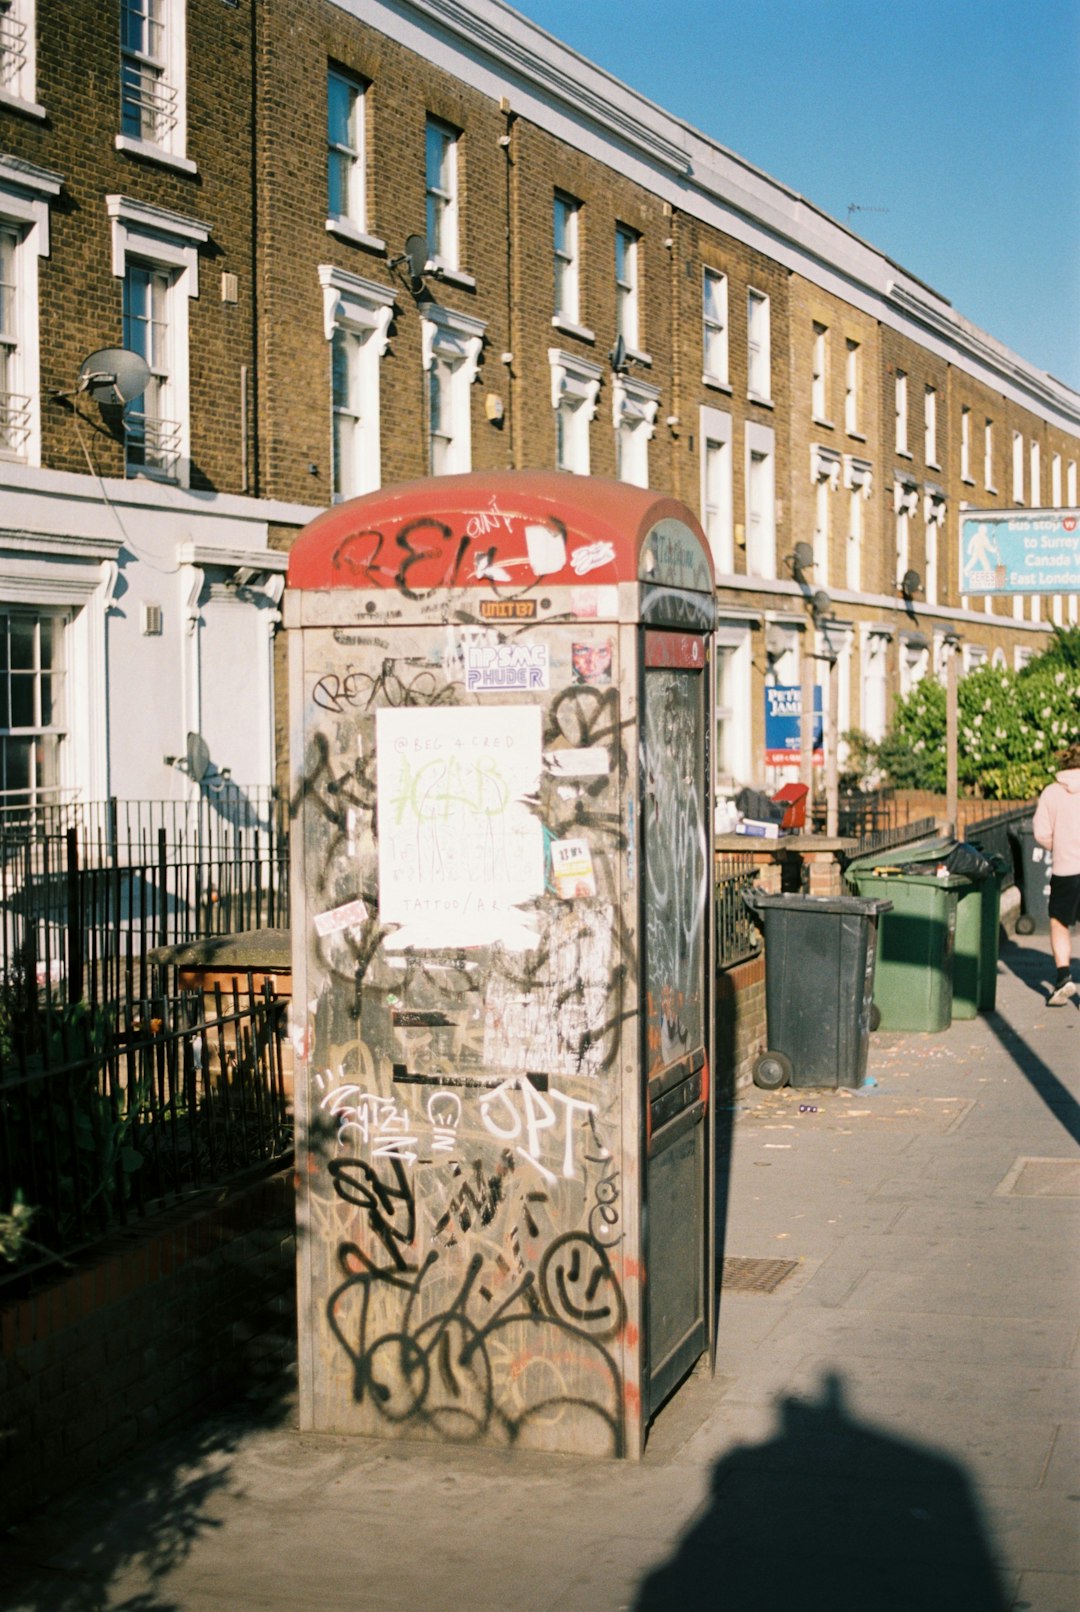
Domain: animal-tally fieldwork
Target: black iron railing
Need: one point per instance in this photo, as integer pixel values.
(736, 935)
(81, 905)
(107, 1118)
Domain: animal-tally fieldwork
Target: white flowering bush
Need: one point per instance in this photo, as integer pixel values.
(1012, 726)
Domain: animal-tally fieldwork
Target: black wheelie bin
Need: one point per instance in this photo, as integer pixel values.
(819, 982)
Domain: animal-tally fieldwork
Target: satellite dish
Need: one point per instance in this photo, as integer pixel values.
(416, 256)
(910, 583)
(618, 355)
(114, 375)
(198, 757)
(803, 558)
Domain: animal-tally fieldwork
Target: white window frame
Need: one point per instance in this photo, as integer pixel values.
(350, 154)
(717, 488)
(934, 517)
(153, 450)
(714, 328)
(1055, 481)
(734, 670)
(758, 346)
(760, 484)
(930, 426)
(26, 193)
(566, 262)
(900, 394)
(825, 469)
(169, 242)
(18, 57)
(357, 312)
(819, 375)
(852, 383)
(905, 505)
(76, 576)
(442, 194)
(634, 405)
(874, 680)
(1018, 467)
(54, 730)
(988, 456)
(859, 480)
(1035, 468)
(451, 344)
(628, 287)
(162, 57)
(575, 388)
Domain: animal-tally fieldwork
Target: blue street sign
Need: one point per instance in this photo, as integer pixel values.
(1020, 551)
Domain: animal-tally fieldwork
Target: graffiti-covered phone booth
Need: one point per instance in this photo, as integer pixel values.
(501, 930)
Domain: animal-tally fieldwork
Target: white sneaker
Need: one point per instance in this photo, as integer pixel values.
(1061, 994)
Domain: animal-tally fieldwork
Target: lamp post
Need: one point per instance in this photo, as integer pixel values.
(952, 791)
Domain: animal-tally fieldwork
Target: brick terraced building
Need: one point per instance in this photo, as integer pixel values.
(357, 242)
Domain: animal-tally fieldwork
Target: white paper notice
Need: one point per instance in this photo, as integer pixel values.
(459, 850)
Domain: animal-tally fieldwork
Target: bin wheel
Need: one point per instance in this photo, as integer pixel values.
(1025, 925)
(772, 1070)
(875, 1016)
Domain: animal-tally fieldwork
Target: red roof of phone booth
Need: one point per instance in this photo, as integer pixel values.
(471, 531)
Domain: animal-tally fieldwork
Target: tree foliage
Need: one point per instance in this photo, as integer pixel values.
(1012, 726)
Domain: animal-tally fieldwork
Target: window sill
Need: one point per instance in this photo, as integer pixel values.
(826, 425)
(568, 328)
(856, 436)
(991, 490)
(758, 397)
(968, 481)
(152, 153)
(348, 231)
(636, 356)
(15, 103)
(932, 464)
(904, 453)
(716, 384)
(439, 271)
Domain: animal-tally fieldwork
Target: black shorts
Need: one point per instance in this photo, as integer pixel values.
(1065, 898)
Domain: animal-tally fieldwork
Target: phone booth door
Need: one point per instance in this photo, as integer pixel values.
(675, 777)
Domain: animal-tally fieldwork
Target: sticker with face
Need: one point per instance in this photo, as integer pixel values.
(591, 663)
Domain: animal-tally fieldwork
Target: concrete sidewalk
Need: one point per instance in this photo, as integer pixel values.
(892, 1427)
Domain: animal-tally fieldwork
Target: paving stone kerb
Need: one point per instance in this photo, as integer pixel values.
(894, 1426)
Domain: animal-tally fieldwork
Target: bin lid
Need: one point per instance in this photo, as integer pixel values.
(850, 906)
(887, 874)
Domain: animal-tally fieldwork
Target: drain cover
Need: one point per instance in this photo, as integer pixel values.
(756, 1275)
(1042, 1178)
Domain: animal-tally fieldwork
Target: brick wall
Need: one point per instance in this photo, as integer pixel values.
(740, 1022)
(158, 1327)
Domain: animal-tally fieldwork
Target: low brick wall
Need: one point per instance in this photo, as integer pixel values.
(740, 1022)
(158, 1326)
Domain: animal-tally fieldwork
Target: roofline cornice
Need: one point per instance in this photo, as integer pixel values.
(698, 175)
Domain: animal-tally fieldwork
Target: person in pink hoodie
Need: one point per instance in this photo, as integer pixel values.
(1057, 829)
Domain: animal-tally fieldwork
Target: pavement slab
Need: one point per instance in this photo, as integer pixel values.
(894, 1428)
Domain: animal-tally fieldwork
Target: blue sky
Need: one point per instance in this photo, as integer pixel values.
(960, 118)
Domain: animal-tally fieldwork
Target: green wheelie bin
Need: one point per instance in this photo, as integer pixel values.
(913, 981)
(978, 915)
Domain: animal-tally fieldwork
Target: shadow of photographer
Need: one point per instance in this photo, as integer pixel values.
(831, 1515)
